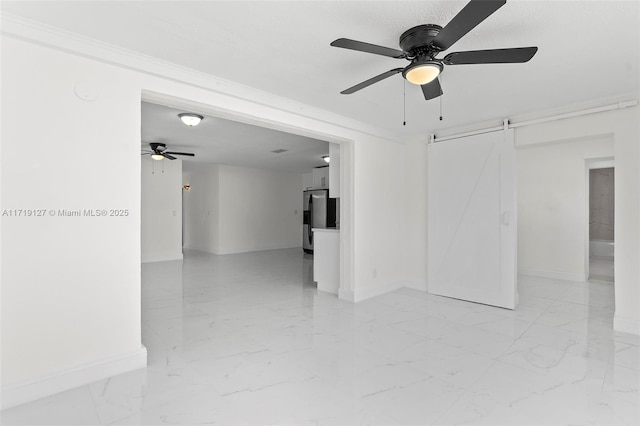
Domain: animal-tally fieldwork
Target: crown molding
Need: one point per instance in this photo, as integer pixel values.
(49, 36)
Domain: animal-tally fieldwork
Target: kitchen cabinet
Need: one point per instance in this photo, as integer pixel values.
(326, 259)
(320, 177)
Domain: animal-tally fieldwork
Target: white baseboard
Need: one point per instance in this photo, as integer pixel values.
(251, 249)
(31, 390)
(554, 275)
(625, 325)
(329, 287)
(346, 295)
(238, 250)
(162, 258)
(417, 285)
(368, 293)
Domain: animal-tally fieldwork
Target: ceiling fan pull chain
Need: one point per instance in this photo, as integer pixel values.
(404, 102)
(440, 108)
(153, 167)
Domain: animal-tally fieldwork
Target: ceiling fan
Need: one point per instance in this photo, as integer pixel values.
(159, 152)
(421, 44)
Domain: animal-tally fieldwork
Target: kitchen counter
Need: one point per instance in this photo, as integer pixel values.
(325, 230)
(326, 259)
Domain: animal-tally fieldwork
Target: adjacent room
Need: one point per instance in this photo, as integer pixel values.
(247, 213)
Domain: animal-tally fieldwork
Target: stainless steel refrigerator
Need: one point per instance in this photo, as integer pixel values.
(319, 212)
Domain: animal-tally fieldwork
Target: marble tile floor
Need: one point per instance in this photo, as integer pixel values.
(247, 340)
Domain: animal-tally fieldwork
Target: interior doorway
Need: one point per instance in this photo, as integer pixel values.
(601, 213)
(290, 124)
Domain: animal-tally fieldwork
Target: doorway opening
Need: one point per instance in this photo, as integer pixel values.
(342, 151)
(601, 213)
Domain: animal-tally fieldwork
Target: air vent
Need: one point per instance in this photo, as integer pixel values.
(279, 151)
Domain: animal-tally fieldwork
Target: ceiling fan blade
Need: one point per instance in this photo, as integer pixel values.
(169, 157)
(471, 15)
(179, 153)
(361, 46)
(432, 90)
(493, 56)
(372, 80)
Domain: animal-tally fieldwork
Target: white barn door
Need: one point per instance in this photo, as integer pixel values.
(472, 219)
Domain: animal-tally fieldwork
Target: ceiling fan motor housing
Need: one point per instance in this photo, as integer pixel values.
(416, 41)
(155, 146)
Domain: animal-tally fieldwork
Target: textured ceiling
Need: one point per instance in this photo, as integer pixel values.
(588, 50)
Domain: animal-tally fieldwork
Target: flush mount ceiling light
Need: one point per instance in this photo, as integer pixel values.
(157, 157)
(190, 119)
(326, 158)
(422, 72)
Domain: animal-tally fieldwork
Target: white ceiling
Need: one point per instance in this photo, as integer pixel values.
(220, 141)
(588, 50)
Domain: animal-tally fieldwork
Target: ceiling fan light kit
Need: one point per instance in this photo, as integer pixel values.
(190, 119)
(421, 44)
(422, 72)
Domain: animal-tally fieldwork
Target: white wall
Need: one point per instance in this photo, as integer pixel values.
(201, 208)
(233, 209)
(70, 285)
(623, 125)
(380, 214)
(307, 180)
(334, 170)
(161, 210)
(552, 205)
(259, 209)
(415, 215)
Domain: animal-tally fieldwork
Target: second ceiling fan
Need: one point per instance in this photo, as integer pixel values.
(159, 152)
(421, 44)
